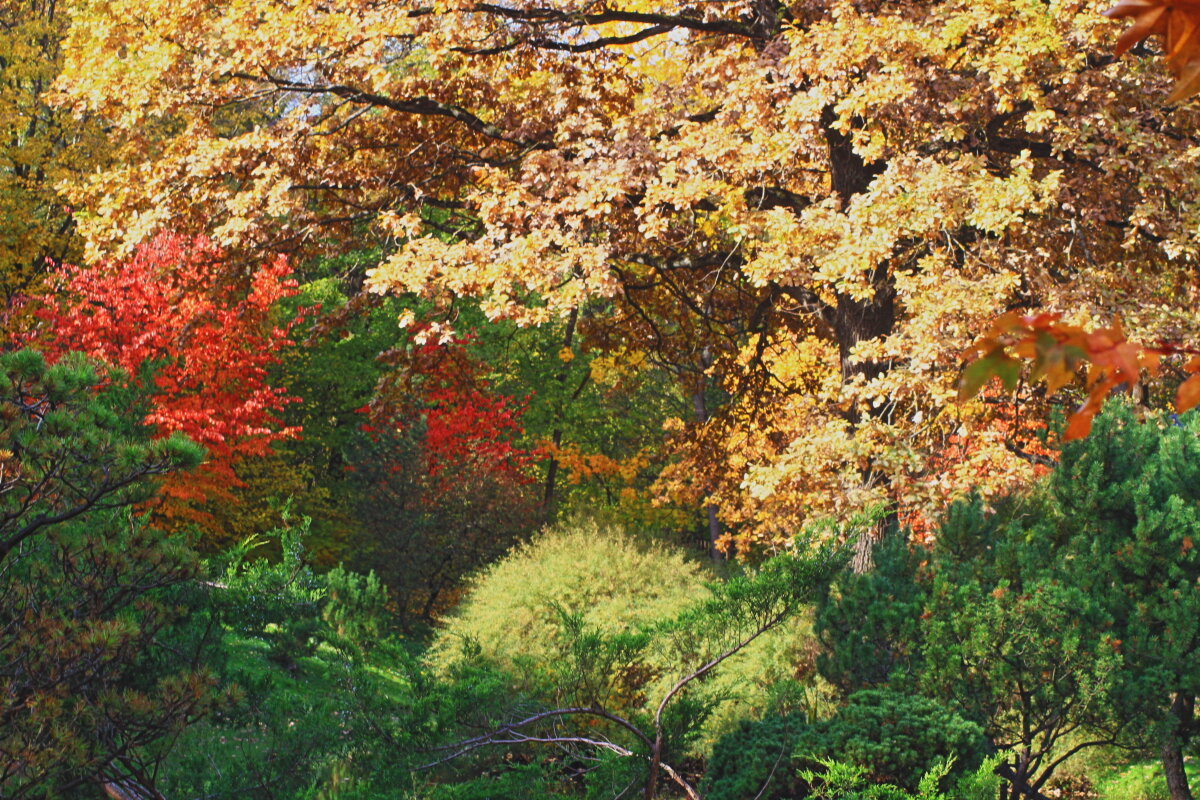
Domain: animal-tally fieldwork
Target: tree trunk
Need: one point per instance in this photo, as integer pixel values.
(859, 320)
(765, 20)
(855, 320)
(1017, 784)
(655, 760)
(863, 560)
(1177, 782)
(1183, 709)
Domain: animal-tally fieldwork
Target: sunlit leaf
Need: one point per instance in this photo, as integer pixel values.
(1188, 395)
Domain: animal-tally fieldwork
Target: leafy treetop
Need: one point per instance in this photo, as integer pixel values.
(803, 211)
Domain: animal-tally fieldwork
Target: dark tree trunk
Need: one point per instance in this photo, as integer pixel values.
(859, 320)
(1177, 782)
(1183, 709)
(655, 759)
(766, 19)
(1017, 785)
(854, 320)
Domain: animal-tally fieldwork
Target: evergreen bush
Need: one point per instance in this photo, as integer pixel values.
(889, 737)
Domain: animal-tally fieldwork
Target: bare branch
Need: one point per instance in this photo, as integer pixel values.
(545, 16)
(422, 106)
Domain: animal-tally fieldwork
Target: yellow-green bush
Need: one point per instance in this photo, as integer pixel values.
(596, 576)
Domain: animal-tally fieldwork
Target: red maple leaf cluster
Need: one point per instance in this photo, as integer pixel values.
(467, 428)
(200, 343)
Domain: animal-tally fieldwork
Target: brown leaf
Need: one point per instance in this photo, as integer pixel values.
(1181, 32)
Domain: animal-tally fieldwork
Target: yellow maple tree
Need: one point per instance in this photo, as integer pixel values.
(40, 147)
(805, 211)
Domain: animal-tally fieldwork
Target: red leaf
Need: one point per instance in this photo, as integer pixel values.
(207, 337)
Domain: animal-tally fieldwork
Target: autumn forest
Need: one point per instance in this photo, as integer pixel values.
(599, 399)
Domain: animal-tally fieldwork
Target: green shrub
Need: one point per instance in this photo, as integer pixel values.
(756, 761)
(869, 623)
(597, 578)
(891, 737)
(325, 704)
(896, 737)
(836, 780)
(513, 609)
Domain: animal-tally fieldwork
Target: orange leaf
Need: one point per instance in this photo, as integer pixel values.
(1151, 360)
(1181, 32)
(1080, 424)
(1057, 376)
(1006, 322)
(1043, 321)
(1149, 18)
(1188, 395)
(1188, 82)
(1101, 340)
(1179, 23)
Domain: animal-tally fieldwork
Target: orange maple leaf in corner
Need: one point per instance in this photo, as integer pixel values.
(1179, 22)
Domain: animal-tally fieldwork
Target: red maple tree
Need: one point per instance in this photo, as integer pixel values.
(199, 343)
(468, 429)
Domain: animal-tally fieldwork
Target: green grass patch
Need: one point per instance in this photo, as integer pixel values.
(1141, 781)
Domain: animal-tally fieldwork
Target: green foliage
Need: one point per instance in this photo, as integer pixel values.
(1129, 499)
(755, 760)
(67, 449)
(88, 694)
(840, 781)
(544, 611)
(995, 626)
(896, 737)
(579, 703)
(514, 609)
(87, 587)
(281, 602)
(1010, 638)
(1129, 513)
(869, 623)
(884, 736)
(1072, 605)
(326, 703)
(642, 689)
(604, 407)
(355, 606)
